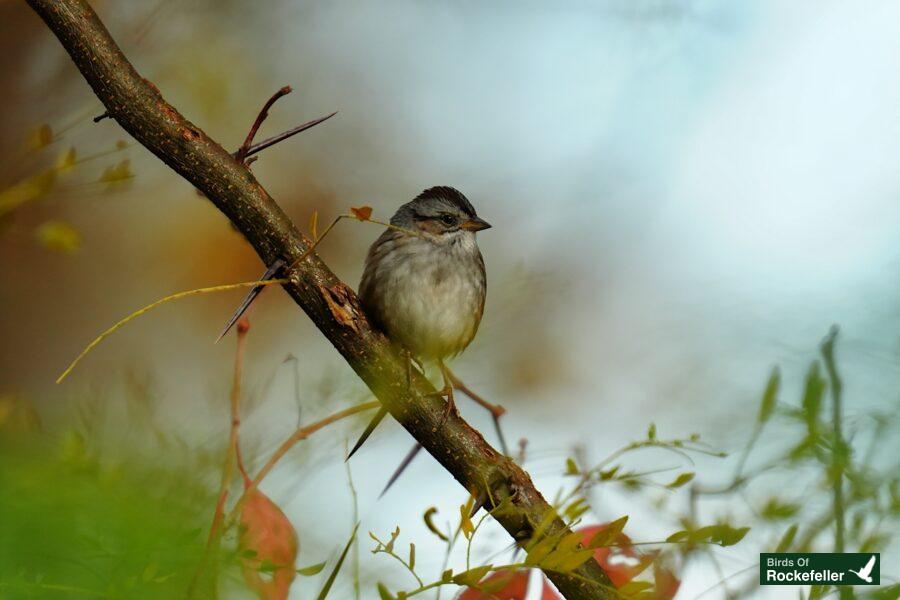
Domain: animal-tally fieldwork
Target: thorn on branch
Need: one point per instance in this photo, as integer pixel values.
(99, 118)
(241, 154)
(248, 148)
(256, 148)
(480, 500)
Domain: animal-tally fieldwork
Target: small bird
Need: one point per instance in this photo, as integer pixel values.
(424, 282)
(424, 285)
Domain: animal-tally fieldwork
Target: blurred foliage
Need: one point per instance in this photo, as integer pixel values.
(814, 457)
(78, 523)
(46, 176)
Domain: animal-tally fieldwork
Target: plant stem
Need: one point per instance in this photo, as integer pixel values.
(300, 434)
(838, 452)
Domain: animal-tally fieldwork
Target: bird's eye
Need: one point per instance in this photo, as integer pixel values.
(448, 220)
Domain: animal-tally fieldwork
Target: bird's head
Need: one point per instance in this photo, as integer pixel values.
(441, 214)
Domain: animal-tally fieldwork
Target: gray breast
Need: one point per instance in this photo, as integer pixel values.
(428, 297)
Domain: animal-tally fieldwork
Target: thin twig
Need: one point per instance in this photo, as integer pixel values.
(300, 434)
(496, 410)
(151, 306)
(231, 455)
(355, 497)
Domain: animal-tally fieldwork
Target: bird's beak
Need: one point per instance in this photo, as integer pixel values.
(475, 224)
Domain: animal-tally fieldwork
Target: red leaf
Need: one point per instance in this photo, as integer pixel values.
(619, 571)
(507, 585)
(622, 562)
(363, 213)
(268, 545)
(666, 583)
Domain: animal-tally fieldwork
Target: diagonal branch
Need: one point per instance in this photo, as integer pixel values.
(137, 105)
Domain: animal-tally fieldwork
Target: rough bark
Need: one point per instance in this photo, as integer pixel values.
(137, 105)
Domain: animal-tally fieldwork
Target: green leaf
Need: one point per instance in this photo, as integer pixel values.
(681, 480)
(775, 509)
(538, 552)
(818, 591)
(632, 588)
(563, 552)
(575, 560)
(311, 570)
(813, 391)
(447, 576)
(576, 509)
(770, 396)
(726, 535)
(608, 534)
(723, 535)
(609, 473)
(412, 556)
(651, 431)
(787, 539)
(472, 576)
(571, 467)
(337, 568)
(383, 592)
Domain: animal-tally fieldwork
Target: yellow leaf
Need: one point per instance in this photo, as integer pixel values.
(66, 161)
(465, 522)
(42, 137)
(313, 223)
(363, 213)
(59, 237)
(26, 191)
(118, 173)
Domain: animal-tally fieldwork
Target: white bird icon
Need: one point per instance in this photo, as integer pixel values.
(864, 573)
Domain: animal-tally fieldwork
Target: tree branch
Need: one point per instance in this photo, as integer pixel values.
(137, 105)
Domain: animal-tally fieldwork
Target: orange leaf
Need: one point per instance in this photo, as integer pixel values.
(268, 545)
(363, 213)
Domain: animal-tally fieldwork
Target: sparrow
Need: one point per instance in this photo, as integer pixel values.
(424, 285)
(424, 282)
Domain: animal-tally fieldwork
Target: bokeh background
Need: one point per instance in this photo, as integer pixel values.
(684, 194)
